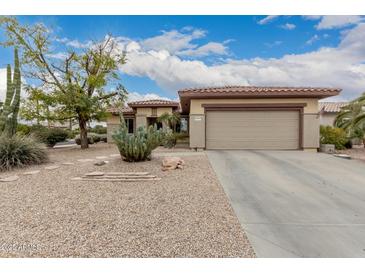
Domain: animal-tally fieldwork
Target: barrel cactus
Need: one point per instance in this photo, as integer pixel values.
(10, 108)
(137, 147)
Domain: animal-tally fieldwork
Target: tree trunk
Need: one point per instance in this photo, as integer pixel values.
(83, 133)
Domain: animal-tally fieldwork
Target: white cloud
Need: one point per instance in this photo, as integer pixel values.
(2, 84)
(334, 21)
(74, 43)
(313, 39)
(288, 26)
(267, 19)
(136, 96)
(205, 50)
(58, 55)
(338, 21)
(173, 41)
(342, 66)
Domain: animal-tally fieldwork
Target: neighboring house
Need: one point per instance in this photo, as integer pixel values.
(328, 112)
(243, 117)
(140, 113)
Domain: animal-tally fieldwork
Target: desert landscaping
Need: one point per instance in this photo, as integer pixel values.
(185, 214)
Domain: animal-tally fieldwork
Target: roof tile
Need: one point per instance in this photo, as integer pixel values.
(332, 107)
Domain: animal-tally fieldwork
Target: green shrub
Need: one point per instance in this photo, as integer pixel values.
(23, 129)
(49, 136)
(39, 132)
(90, 139)
(96, 137)
(98, 129)
(169, 138)
(54, 135)
(333, 135)
(137, 147)
(19, 151)
(103, 138)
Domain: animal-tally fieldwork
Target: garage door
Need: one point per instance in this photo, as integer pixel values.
(252, 129)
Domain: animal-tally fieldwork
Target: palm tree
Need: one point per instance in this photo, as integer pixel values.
(352, 118)
(171, 119)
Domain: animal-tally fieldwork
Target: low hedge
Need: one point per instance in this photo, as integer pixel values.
(333, 135)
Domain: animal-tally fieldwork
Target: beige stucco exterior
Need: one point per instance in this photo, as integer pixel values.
(310, 134)
(327, 119)
(140, 118)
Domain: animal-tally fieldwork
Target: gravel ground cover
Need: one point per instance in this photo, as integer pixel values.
(355, 153)
(186, 214)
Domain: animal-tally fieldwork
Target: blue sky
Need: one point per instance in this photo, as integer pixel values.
(166, 53)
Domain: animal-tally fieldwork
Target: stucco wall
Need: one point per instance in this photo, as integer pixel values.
(310, 119)
(163, 110)
(141, 120)
(327, 119)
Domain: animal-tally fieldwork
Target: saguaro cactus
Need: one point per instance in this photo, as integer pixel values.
(9, 114)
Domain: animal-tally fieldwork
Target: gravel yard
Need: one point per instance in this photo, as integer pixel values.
(186, 214)
(355, 153)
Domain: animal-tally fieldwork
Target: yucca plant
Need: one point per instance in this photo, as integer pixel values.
(138, 146)
(20, 151)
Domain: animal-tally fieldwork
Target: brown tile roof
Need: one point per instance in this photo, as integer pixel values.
(253, 92)
(247, 91)
(332, 107)
(154, 103)
(124, 110)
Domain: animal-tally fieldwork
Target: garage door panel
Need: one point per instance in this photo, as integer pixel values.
(252, 130)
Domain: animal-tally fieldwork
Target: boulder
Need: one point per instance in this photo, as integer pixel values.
(170, 163)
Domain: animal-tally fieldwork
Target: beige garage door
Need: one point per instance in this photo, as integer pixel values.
(252, 129)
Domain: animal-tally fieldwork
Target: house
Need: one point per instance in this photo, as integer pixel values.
(328, 112)
(243, 117)
(140, 113)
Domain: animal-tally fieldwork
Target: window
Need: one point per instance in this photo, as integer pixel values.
(184, 125)
(129, 122)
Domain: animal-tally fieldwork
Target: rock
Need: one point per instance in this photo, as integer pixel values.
(327, 148)
(170, 163)
(68, 164)
(95, 173)
(9, 179)
(100, 163)
(343, 156)
(51, 167)
(85, 160)
(31, 172)
(114, 155)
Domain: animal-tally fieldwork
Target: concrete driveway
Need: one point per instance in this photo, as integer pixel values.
(295, 203)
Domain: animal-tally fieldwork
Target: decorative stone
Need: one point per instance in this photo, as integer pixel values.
(170, 163)
(343, 156)
(9, 179)
(68, 164)
(114, 155)
(328, 148)
(51, 167)
(100, 163)
(95, 173)
(31, 172)
(85, 160)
